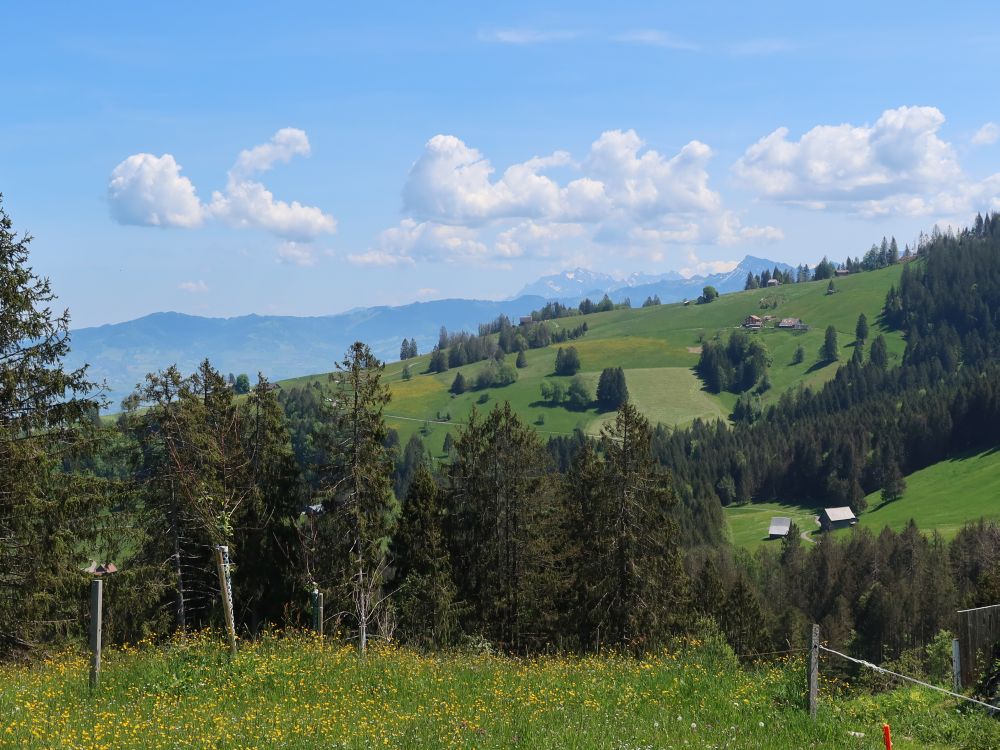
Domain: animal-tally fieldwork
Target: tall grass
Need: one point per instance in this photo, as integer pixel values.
(300, 692)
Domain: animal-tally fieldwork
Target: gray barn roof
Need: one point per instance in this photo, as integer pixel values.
(840, 514)
(779, 526)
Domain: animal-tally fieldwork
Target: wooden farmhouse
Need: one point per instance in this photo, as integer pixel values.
(779, 527)
(792, 324)
(773, 282)
(753, 321)
(526, 320)
(837, 518)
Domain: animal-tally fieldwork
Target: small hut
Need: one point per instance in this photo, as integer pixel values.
(837, 518)
(779, 527)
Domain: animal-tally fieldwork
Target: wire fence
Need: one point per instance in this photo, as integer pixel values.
(907, 678)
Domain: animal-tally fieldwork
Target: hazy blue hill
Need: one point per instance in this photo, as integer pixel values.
(278, 346)
(286, 346)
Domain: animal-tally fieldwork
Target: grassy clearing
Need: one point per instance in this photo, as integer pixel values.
(748, 524)
(302, 693)
(942, 497)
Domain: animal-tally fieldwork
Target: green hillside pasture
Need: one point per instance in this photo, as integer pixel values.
(943, 497)
(641, 341)
(671, 395)
(300, 692)
(748, 524)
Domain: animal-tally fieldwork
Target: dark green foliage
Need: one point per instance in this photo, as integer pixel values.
(642, 590)
(879, 354)
(346, 556)
(567, 361)
(652, 301)
(830, 351)
(425, 597)
(458, 385)
(824, 270)
(861, 329)
(522, 360)
(578, 395)
(497, 540)
(241, 386)
(611, 389)
(708, 294)
(408, 349)
(46, 517)
(439, 361)
(736, 367)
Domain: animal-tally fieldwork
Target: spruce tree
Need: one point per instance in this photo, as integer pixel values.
(644, 589)
(426, 591)
(861, 329)
(46, 517)
(356, 491)
(830, 352)
(522, 359)
(495, 493)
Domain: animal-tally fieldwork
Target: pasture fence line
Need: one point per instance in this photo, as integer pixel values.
(817, 647)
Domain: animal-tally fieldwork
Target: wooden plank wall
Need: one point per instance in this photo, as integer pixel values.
(978, 632)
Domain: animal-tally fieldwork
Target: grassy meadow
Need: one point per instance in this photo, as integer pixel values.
(657, 347)
(300, 692)
(942, 498)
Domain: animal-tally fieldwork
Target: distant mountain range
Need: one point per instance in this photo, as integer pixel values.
(670, 286)
(284, 346)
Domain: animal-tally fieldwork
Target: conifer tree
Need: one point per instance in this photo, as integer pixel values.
(428, 615)
(861, 329)
(644, 590)
(46, 517)
(496, 483)
(830, 351)
(356, 492)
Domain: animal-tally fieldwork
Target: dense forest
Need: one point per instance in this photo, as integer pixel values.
(574, 544)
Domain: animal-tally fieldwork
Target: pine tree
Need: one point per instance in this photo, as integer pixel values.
(46, 516)
(458, 385)
(426, 592)
(495, 493)
(879, 353)
(830, 351)
(861, 329)
(643, 592)
(268, 577)
(356, 491)
(522, 359)
(611, 389)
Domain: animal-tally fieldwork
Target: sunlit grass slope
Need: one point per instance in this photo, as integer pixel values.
(942, 497)
(657, 347)
(301, 693)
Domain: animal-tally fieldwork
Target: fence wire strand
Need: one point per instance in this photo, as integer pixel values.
(914, 680)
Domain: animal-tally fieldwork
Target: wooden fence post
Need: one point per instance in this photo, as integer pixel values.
(222, 562)
(96, 622)
(956, 666)
(814, 672)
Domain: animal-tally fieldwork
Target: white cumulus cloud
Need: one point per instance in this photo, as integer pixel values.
(297, 254)
(149, 190)
(898, 165)
(621, 192)
(987, 134)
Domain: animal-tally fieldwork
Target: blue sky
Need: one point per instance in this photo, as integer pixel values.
(222, 159)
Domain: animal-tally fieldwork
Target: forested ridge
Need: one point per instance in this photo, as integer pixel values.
(575, 543)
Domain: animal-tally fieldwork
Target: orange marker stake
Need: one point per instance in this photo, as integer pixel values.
(887, 735)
